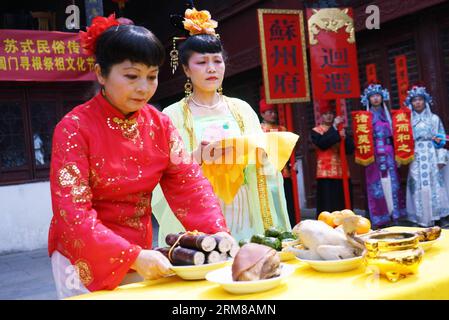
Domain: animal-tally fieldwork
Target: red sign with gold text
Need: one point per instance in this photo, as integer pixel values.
(362, 127)
(333, 53)
(29, 55)
(283, 52)
(404, 146)
(401, 77)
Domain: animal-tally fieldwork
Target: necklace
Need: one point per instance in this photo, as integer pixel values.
(206, 106)
(128, 127)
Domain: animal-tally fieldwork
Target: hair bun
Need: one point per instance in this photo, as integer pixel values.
(176, 21)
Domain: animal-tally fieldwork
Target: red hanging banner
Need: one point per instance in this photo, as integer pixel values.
(283, 53)
(282, 118)
(362, 127)
(333, 56)
(404, 146)
(333, 53)
(401, 77)
(371, 73)
(30, 55)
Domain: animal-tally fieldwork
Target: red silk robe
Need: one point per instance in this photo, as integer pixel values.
(103, 170)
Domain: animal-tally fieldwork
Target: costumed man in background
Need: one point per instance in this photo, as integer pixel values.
(269, 115)
(383, 184)
(327, 139)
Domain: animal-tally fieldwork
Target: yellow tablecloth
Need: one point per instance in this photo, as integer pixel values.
(432, 282)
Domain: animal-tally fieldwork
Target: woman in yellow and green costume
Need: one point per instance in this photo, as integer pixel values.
(206, 115)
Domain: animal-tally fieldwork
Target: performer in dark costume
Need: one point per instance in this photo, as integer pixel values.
(327, 139)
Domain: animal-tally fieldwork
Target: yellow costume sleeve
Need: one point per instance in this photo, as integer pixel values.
(226, 174)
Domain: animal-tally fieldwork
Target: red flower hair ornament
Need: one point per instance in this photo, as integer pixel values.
(98, 26)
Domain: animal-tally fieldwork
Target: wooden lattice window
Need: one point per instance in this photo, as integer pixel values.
(13, 156)
(445, 47)
(408, 49)
(28, 116)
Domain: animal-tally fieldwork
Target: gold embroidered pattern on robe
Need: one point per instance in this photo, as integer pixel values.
(84, 272)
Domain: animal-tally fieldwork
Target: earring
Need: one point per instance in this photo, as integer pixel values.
(220, 91)
(188, 88)
(174, 57)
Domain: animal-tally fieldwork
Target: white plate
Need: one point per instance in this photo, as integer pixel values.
(334, 265)
(223, 277)
(286, 255)
(198, 272)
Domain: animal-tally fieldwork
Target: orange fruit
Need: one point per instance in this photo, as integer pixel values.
(323, 215)
(339, 215)
(363, 226)
(347, 212)
(327, 218)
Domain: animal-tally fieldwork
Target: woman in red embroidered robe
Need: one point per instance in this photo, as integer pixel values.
(108, 155)
(326, 138)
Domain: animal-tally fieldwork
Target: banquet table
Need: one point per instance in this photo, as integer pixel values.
(431, 282)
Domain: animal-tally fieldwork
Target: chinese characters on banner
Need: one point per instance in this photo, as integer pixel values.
(333, 54)
(29, 55)
(401, 77)
(362, 127)
(284, 58)
(371, 73)
(403, 136)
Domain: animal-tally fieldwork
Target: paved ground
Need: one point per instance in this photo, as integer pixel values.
(28, 275)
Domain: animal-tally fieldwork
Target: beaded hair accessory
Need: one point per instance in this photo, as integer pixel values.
(195, 22)
(417, 91)
(374, 89)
